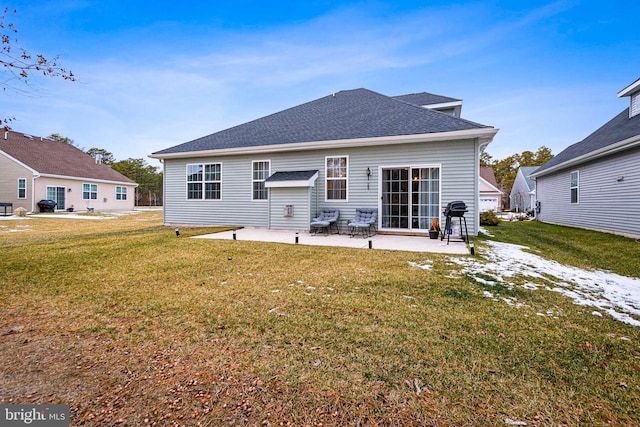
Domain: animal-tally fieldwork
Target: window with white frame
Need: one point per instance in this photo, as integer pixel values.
(121, 193)
(575, 184)
(89, 191)
(336, 171)
(22, 188)
(204, 181)
(260, 172)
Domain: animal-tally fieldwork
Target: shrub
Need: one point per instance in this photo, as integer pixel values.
(489, 218)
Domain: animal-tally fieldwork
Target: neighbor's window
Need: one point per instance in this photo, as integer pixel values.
(260, 173)
(336, 173)
(89, 191)
(575, 183)
(204, 181)
(121, 193)
(22, 188)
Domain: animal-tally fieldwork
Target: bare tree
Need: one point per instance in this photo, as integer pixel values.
(17, 65)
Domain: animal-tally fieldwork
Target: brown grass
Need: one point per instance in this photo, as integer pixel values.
(132, 326)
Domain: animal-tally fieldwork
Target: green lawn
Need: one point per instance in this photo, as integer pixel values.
(132, 326)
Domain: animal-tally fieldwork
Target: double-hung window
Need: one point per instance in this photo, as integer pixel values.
(121, 193)
(89, 191)
(336, 171)
(204, 181)
(22, 188)
(575, 185)
(260, 172)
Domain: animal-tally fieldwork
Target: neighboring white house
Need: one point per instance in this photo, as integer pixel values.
(595, 183)
(352, 149)
(523, 192)
(490, 194)
(35, 168)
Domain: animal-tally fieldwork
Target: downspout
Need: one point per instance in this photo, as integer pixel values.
(482, 143)
(33, 191)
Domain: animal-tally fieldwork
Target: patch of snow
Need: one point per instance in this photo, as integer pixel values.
(485, 232)
(427, 265)
(618, 296)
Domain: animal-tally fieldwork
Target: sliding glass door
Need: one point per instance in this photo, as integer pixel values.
(58, 194)
(410, 197)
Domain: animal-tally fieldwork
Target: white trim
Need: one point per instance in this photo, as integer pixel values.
(484, 135)
(13, 159)
(633, 87)
(326, 179)
(116, 193)
(409, 207)
(203, 182)
(311, 182)
(490, 185)
(442, 105)
(577, 187)
(605, 151)
(90, 192)
(74, 178)
(253, 162)
(26, 189)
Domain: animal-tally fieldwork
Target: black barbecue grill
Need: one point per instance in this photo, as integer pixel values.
(455, 209)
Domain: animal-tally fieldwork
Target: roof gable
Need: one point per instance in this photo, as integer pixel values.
(526, 171)
(488, 175)
(618, 129)
(351, 114)
(56, 158)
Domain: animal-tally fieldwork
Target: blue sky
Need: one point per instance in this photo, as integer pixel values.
(153, 74)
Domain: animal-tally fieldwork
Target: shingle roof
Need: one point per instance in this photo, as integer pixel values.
(526, 171)
(292, 176)
(618, 129)
(56, 158)
(425, 98)
(488, 175)
(350, 114)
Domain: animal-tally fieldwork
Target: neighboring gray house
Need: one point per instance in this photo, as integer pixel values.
(523, 192)
(355, 148)
(595, 183)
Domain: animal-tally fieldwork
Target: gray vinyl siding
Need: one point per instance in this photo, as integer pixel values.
(457, 159)
(298, 197)
(519, 197)
(604, 203)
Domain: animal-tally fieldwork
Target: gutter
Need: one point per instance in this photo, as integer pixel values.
(626, 144)
(484, 136)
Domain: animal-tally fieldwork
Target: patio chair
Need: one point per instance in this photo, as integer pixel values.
(365, 221)
(327, 218)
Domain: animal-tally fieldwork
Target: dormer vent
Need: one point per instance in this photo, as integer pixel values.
(634, 109)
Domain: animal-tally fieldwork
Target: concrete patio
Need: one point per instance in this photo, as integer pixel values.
(379, 241)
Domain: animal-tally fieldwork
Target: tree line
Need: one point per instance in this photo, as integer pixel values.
(506, 169)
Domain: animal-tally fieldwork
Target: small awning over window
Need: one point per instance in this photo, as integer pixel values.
(292, 179)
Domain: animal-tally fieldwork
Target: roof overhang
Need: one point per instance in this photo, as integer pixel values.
(629, 90)
(492, 188)
(450, 104)
(79, 178)
(274, 182)
(626, 144)
(484, 136)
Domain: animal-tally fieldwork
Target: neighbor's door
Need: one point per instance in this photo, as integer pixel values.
(58, 194)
